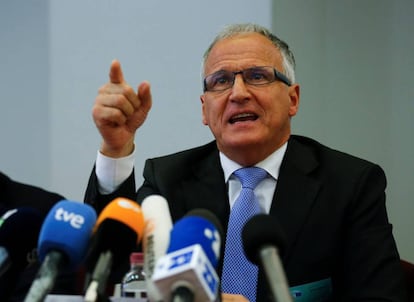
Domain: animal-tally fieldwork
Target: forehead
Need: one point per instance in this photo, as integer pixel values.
(243, 51)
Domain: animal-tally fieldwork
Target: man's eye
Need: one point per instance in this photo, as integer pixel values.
(220, 80)
(258, 76)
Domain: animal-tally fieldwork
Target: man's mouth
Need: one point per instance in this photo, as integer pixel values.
(243, 117)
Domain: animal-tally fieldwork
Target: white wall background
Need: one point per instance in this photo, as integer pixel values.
(355, 63)
(54, 55)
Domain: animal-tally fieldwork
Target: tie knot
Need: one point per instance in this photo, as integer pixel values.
(250, 176)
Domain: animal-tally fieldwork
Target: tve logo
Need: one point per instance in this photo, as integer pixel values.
(74, 219)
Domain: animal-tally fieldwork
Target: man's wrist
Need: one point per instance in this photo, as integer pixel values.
(112, 172)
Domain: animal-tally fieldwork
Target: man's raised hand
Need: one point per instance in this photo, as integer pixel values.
(119, 111)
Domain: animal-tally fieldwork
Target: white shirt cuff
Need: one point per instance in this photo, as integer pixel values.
(112, 172)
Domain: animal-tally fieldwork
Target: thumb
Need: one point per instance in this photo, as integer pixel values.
(115, 73)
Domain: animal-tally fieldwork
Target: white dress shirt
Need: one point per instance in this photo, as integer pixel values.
(265, 189)
(112, 172)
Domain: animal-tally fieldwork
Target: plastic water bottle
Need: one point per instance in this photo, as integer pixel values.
(133, 284)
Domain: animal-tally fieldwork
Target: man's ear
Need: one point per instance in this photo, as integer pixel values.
(294, 94)
(203, 115)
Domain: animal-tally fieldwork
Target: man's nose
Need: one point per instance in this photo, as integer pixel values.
(239, 85)
(239, 90)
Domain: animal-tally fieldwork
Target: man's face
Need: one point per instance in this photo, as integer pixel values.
(249, 122)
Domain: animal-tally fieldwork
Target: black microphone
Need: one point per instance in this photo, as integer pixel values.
(188, 271)
(19, 232)
(263, 238)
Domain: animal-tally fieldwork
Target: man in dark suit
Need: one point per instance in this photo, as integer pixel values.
(330, 205)
(15, 284)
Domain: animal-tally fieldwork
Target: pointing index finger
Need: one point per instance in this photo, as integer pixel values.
(115, 73)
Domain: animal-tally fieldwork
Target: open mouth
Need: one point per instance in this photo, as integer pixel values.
(243, 117)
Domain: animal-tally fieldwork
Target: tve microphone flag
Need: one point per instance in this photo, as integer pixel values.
(187, 272)
(63, 242)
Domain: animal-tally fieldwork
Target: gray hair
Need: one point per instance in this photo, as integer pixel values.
(288, 60)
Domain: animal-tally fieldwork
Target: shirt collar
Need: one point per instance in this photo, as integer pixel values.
(271, 164)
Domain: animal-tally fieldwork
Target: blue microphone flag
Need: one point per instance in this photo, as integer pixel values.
(192, 230)
(67, 228)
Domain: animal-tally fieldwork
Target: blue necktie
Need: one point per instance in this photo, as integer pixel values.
(239, 274)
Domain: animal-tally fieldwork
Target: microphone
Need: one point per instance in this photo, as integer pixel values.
(19, 232)
(188, 271)
(263, 238)
(158, 225)
(116, 234)
(62, 245)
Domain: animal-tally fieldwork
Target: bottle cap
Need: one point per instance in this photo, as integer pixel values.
(136, 257)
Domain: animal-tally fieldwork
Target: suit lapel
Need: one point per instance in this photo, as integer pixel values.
(295, 192)
(293, 199)
(205, 187)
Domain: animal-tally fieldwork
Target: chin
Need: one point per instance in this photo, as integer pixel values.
(243, 142)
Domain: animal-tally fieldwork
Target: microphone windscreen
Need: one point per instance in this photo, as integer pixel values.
(261, 230)
(118, 229)
(126, 212)
(19, 233)
(198, 227)
(158, 225)
(67, 229)
(114, 236)
(3, 209)
(209, 216)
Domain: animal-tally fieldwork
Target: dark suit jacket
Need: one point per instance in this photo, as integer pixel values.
(330, 205)
(15, 283)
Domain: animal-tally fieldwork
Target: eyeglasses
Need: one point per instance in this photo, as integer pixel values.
(259, 75)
